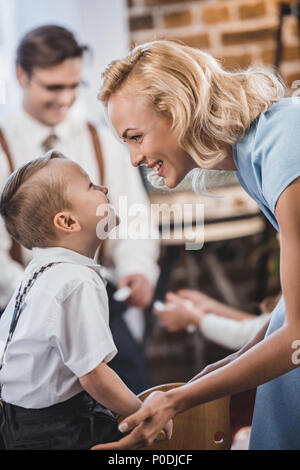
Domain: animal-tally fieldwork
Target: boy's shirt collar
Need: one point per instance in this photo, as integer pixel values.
(42, 256)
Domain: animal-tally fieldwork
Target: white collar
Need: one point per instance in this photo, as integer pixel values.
(59, 254)
(40, 132)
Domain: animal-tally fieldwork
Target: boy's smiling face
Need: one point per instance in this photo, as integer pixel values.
(89, 204)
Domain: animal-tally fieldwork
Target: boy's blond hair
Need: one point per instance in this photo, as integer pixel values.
(28, 207)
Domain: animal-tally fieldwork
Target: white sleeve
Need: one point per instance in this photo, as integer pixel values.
(11, 272)
(128, 195)
(229, 333)
(80, 329)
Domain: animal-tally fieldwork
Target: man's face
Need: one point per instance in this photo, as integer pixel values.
(49, 93)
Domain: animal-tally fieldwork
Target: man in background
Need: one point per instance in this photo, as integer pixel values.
(49, 69)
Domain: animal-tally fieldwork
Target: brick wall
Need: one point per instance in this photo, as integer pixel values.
(240, 32)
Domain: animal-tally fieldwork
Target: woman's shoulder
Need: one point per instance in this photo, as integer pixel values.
(273, 129)
(283, 113)
(271, 145)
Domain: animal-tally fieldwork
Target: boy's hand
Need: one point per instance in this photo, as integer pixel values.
(141, 290)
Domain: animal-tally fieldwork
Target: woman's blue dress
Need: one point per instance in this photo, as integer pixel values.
(268, 160)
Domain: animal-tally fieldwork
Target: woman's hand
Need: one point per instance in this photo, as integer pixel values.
(155, 414)
(178, 313)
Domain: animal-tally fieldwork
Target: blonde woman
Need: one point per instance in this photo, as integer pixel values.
(180, 112)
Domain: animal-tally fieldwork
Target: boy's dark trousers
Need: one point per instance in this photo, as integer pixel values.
(76, 424)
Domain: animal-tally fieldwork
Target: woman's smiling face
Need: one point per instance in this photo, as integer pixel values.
(149, 137)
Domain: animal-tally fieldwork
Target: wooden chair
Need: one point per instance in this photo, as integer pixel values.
(204, 427)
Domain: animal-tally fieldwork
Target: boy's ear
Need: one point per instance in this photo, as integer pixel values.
(66, 222)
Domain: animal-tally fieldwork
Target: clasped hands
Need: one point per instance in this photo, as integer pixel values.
(145, 426)
(186, 307)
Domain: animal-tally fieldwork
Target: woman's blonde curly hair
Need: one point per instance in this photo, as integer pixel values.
(209, 107)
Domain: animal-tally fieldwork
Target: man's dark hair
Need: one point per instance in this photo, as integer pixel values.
(47, 46)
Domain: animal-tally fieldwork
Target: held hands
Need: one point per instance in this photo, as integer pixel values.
(205, 303)
(179, 313)
(145, 425)
(141, 290)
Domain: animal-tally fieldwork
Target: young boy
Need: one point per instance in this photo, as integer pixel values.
(54, 335)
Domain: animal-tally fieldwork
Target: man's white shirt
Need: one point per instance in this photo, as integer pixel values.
(25, 136)
(62, 333)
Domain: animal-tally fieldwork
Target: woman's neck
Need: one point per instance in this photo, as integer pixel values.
(227, 164)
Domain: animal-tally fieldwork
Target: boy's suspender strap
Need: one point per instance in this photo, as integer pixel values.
(98, 151)
(15, 251)
(19, 303)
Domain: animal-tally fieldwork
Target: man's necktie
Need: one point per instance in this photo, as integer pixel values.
(50, 142)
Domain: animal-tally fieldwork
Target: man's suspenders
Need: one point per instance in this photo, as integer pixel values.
(4, 145)
(15, 251)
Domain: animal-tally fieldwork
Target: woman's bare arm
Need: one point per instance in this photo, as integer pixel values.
(267, 359)
(216, 365)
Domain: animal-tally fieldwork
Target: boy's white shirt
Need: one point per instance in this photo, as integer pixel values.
(25, 136)
(62, 333)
